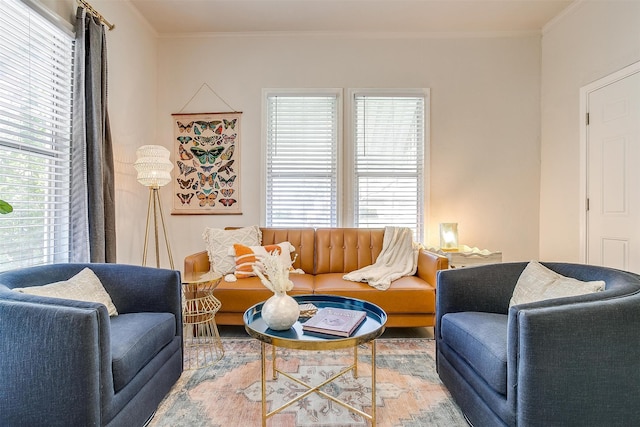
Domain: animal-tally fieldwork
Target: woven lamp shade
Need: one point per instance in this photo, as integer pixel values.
(153, 166)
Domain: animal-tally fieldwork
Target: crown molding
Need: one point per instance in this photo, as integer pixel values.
(141, 18)
(568, 11)
(356, 35)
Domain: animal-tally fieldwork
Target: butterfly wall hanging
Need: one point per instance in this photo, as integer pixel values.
(207, 155)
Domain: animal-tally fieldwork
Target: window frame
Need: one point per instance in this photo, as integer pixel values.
(52, 145)
(346, 147)
(268, 92)
(350, 150)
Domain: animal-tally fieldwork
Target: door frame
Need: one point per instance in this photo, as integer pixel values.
(585, 91)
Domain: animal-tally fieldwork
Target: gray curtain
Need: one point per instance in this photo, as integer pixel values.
(93, 231)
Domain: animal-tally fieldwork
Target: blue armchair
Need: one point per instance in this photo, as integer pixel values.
(572, 361)
(67, 363)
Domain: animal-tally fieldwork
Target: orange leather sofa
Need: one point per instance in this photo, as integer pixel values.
(325, 255)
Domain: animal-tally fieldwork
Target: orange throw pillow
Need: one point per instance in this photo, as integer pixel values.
(247, 256)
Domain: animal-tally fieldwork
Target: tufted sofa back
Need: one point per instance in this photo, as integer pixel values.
(303, 239)
(342, 250)
(325, 250)
(329, 250)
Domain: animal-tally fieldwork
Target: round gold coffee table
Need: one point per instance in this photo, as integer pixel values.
(294, 338)
(201, 339)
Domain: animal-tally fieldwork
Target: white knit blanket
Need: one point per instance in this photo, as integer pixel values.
(398, 258)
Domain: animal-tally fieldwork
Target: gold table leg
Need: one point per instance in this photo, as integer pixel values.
(264, 382)
(373, 383)
(316, 389)
(355, 361)
(273, 361)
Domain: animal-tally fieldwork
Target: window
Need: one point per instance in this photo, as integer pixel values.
(388, 172)
(384, 158)
(36, 69)
(302, 136)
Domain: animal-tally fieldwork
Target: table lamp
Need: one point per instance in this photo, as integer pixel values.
(449, 236)
(154, 171)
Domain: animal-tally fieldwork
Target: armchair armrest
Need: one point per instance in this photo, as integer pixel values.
(132, 288)
(43, 344)
(580, 361)
(485, 288)
(135, 289)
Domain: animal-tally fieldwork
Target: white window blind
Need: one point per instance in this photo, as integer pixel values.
(389, 141)
(36, 72)
(301, 160)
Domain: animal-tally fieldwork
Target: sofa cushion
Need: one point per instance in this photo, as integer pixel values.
(537, 283)
(135, 339)
(84, 286)
(220, 241)
(481, 340)
(408, 294)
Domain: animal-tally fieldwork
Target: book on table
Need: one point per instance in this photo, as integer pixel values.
(335, 321)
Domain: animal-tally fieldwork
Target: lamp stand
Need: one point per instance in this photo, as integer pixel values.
(154, 198)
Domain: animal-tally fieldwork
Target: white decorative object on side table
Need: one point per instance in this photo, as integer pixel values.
(467, 256)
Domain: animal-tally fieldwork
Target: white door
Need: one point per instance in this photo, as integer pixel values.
(613, 175)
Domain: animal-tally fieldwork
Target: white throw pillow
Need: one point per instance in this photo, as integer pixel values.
(537, 283)
(219, 241)
(84, 286)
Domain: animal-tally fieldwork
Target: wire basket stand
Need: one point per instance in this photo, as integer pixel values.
(202, 344)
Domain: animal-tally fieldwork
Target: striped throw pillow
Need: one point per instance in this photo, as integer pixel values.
(247, 256)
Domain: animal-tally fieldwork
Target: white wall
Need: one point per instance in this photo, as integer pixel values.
(489, 172)
(485, 120)
(593, 39)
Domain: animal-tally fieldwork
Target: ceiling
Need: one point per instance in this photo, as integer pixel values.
(348, 16)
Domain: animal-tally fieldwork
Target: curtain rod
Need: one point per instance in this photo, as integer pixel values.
(95, 13)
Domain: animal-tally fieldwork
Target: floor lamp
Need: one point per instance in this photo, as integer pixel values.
(154, 167)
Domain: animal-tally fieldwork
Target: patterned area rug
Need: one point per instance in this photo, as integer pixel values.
(409, 392)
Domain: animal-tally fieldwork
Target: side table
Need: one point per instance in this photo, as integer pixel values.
(201, 339)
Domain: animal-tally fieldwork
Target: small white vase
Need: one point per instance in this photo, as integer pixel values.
(280, 312)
